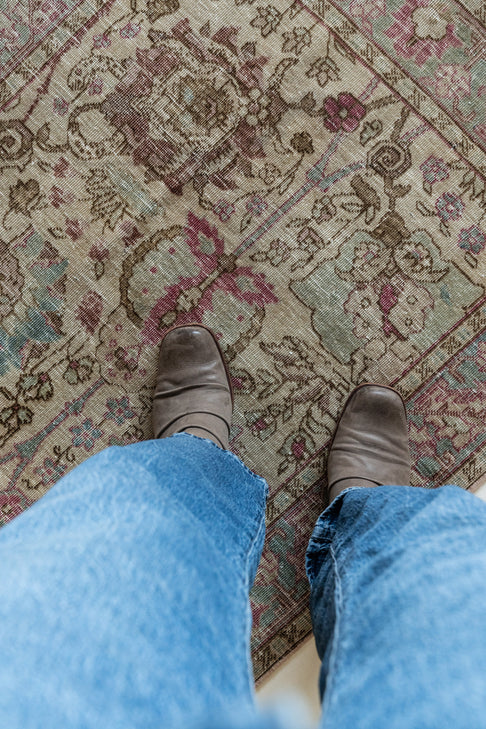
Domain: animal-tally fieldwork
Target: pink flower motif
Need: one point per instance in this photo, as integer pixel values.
(367, 10)
(434, 170)
(98, 252)
(256, 204)
(298, 447)
(119, 410)
(96, 86)
(85, 435)
(8, 38)
(405, 306)
(89, 311)
(101, 41)
(451, 82)
(344, 113)
(388, 299)
(402, 304)
(74, 229)
(60, 106)
(52, 9)
(472, 240)
(61, 167)
(224, 210)
(449, 207)
(60, 197)
(421, 30)
(257, 426)
(131, 233)
(56, 196)
(130, 30)
(10, 506)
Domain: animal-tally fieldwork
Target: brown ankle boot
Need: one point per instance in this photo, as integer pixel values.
(370, 445)
(193, 390)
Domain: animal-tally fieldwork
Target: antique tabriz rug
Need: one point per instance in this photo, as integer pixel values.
(306, 178)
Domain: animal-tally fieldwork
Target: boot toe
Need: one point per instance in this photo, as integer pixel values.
(193, 384)
(371, 439)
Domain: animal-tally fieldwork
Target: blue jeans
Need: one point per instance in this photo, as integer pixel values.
(124, 600)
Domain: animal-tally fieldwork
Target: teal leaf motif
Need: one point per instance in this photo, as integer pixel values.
(46, 390)
(25, 415)
(35, 328)
(49, 275)
(428, 466)
(6, 414)
(445, 296)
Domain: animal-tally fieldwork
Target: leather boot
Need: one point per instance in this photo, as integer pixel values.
(370, 445)
(193, 391)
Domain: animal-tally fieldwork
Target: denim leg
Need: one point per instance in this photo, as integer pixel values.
(398, 589)
(124, 591)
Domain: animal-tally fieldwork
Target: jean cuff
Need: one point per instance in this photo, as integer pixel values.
(224, 453)
(323, 535)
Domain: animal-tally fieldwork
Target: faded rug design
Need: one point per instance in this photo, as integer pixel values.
(305, 178)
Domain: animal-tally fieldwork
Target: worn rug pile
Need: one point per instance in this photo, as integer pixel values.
(307, 179)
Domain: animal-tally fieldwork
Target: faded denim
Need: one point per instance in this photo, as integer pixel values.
(124, 600)
(398, 600)
(124, 591)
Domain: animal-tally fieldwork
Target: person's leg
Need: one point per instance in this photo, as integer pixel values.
(124, 591)
(398, 581)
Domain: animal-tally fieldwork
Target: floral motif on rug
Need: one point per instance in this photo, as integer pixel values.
(307, 179)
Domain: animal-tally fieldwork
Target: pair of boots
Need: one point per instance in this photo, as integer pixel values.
(193, 394)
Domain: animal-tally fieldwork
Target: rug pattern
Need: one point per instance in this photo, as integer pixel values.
(307, 179)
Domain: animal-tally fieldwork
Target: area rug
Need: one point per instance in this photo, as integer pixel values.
(308, 180)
